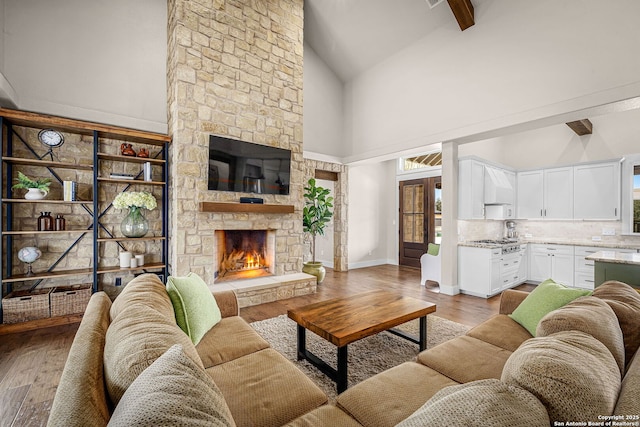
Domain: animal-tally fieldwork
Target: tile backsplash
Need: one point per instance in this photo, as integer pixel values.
(557, 231)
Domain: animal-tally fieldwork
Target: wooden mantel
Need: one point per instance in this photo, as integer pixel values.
(245, 207)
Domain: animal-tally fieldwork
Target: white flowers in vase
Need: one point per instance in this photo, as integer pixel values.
(135, 199)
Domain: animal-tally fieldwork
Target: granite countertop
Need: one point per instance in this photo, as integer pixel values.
(486, 245)
(615, 257)
(573, 242)
(584, 242)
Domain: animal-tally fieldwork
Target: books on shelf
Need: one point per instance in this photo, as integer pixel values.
(69, 191)
(121, 176)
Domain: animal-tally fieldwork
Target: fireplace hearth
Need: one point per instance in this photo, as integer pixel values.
(243, 254)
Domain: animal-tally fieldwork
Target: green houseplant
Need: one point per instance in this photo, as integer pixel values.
(38, 188)
(315, 217)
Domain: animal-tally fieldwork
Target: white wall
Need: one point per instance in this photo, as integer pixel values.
(614, 136)
(323, 107)
(96, 60)
(521, 61)
(372, 210)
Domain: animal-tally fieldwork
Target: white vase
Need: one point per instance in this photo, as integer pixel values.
(35, 194)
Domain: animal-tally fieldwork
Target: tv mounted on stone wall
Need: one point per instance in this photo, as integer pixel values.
(246, 167)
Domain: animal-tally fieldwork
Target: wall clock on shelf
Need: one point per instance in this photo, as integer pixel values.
(51, 139)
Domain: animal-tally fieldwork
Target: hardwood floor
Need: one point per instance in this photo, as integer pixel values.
(31, 362)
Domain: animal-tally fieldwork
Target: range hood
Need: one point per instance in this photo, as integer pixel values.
(497, 188)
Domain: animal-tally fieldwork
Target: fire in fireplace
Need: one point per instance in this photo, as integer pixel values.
(243, 254)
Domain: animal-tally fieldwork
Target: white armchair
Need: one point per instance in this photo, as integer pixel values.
(430, 268)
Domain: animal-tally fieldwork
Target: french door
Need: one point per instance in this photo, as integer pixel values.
(420, 218)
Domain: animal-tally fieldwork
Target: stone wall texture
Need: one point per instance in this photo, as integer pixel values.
(235, 70)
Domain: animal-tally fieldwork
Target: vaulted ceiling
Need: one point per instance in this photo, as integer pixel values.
(354, 35)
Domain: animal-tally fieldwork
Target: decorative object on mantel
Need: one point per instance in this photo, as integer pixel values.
(28, 255)
(127, 150)
(135, 224)
(37, 189)
(315, 217)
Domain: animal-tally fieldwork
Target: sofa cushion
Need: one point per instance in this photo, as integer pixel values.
(265, 389)
(628, 401)
(545, 298)
(135, 339)
(501, 331)
(489, 403)
(592, 316)
(195, 307)
(146, 289)
(625, 302)
(81, 399)
(230, 339)
(573, 374)
(392, 395)
(327, 415)
(453, 359)
(172, 391)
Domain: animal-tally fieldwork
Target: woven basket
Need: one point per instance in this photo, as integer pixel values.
(20, 306)
(67, 300)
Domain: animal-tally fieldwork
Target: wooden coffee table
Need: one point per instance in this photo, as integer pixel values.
(342, 321)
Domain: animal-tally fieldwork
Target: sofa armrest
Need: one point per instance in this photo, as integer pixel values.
(510, 299)
(227, 302)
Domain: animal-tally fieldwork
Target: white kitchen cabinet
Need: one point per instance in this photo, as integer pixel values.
(470, 189)
(596, 194)
(551, 262)
(484, 272)
(558, 193)
(545, 194)
(530, 199)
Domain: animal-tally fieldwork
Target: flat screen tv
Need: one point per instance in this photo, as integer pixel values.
(247, 167)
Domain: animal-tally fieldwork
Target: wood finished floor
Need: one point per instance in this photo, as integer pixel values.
(31, 362)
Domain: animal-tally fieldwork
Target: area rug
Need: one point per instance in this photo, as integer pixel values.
(367, 356)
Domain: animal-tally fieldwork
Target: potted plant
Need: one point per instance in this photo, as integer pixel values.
(37, 189)
(315, 216)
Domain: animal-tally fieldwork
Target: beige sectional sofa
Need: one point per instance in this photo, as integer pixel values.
(582, 366)
(116, 342)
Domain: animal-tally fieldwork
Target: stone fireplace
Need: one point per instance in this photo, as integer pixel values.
(243, 254)
(235, 69)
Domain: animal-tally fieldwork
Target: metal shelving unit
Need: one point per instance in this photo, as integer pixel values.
(104, 137)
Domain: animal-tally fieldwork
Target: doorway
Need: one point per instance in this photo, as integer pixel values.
(420, 218)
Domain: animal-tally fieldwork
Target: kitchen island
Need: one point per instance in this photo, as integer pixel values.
(612, 265)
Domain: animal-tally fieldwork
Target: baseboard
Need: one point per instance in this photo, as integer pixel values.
(449, 290)
(368, 263)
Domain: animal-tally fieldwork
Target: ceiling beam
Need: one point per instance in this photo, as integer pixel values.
(463, 11)
(581, 127)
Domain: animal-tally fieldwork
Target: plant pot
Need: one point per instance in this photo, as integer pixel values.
(35, 194)
(315, 269)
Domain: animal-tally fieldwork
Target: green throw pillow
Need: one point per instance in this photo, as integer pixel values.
(195, 307)
(545, 298)
(433, 249)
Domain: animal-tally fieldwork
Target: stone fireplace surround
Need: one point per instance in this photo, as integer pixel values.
(235, 69)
